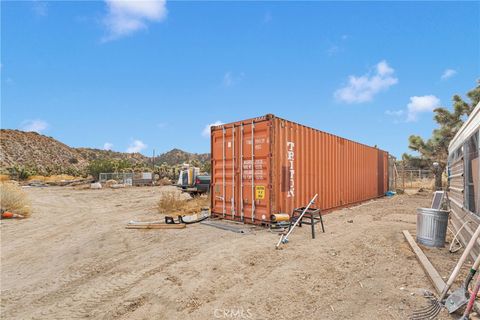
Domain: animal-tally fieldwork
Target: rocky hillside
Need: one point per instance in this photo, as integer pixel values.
(44, 155)
(37, 152)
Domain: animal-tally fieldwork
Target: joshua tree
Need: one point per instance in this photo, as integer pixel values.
(435, 149)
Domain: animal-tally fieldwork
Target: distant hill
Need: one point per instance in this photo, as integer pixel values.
(177, 156)
(45, 155)
(35, 151)
(98, 154)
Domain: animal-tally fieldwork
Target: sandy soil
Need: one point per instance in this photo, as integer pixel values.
(74, 259)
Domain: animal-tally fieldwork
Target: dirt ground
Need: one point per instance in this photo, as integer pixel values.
(74, 259)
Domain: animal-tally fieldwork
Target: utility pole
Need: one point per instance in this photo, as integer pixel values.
(153, 161)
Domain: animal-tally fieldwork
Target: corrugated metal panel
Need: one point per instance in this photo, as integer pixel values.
(468, 128)
(466, 222)
(289, 163)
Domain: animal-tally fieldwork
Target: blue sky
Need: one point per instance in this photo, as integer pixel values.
(138, 76)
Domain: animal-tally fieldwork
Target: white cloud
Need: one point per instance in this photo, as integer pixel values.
(230, 79)
(421, 104)
(125, 17)
(136, 146)
(36, 125)
(107, 146)
(364, 88)
(40, 8)
(394, 113)
(448, 74)
(206, 130)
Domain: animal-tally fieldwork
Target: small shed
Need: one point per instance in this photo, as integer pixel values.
(464, 179)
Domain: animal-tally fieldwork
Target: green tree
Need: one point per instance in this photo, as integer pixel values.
(434, 151)
(206, 167)
(195, 163)
(106, 166)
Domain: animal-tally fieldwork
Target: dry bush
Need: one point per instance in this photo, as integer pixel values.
(172, 203)
(164, 182)
(110, 183)
(14, 199)
(196, 204)
(4, 177)
(52, 178)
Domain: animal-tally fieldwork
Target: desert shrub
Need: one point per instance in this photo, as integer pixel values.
(206, 167)
(164, 182)
(173, 203)
(20, 173)
(73, 160)
(14, 199)
(72, 172)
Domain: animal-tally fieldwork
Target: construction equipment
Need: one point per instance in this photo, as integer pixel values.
(431, 311)
(284, 237)
(460, 297)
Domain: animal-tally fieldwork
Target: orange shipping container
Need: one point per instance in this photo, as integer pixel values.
(269, 165)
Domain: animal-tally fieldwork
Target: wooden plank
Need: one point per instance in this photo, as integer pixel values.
(432, 273)
(156, 226)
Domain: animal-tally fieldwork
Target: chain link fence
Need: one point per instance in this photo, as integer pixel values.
(415, 178)
(125, 178)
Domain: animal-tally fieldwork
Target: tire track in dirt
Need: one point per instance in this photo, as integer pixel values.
(81, 297)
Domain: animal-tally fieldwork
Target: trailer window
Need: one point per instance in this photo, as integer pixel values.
(472, 192)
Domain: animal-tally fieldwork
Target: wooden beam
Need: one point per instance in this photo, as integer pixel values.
(432, 273)
(156, 226)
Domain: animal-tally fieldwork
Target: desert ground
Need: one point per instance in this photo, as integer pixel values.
(74, 259)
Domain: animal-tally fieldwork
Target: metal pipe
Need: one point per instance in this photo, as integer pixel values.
(253, 174)
(455, 175)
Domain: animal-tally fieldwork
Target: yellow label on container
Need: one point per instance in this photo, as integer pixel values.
(259, 192)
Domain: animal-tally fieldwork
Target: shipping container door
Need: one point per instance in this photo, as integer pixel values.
(240, 171)
(382, 172)
(254, 184)
(222, 168)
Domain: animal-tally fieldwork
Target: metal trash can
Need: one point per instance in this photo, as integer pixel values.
(431, 227)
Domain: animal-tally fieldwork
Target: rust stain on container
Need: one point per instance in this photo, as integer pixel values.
(269, 165)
